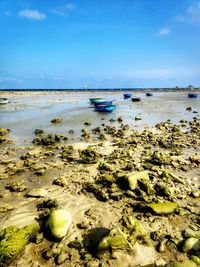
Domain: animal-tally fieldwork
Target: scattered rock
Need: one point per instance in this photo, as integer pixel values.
(89, 155)
(37, 192)
(56, 120)
(162, 208)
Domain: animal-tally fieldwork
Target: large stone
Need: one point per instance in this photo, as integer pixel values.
(191, 243)
(37, 192)
(13, 240)
(59, 222)
(162, 208)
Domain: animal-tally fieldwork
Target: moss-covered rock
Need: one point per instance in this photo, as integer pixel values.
(134, 230)
(4, 131)
(191, 243)
(13, 240)
(106, 166)
(56, 120)
(131, 180)
(114, 241)
(173, 177)
(59, 222)
(106, 179)
(160, 158)
(3, 134)
(89, 155)
(162, 208)
(185, 263)
(99, 193)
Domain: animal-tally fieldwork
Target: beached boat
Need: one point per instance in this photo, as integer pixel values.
(103, 108)
(149, 94)
(127, 96)
(3, 100)
(193, 95)
(104, 103)
(95, 100)
(136, 99)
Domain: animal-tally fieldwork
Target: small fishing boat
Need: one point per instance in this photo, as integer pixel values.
(103, 108)
(3, 100)
(136, 99)
(95, 100)
(104, 103)
(149, 94)
(192, 95)
(127, 96)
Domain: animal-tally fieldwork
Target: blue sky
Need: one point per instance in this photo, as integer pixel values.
(99, 43)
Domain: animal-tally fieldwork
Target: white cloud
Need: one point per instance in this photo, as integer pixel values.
(31, 14)
(70, 6)
(192, 14)
(10, 79)
(64, 10)
(164, 31)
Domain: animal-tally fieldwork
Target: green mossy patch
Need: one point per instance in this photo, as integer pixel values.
(13, 240)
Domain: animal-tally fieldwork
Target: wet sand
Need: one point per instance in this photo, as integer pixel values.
(25, 166)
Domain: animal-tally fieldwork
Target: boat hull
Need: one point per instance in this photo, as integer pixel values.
(192, 95)
(127, 96)
(101, 108)
(149, 94)
(3, 101)
(103, 103)
(95, 100)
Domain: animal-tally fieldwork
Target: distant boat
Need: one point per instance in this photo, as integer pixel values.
(95, 100)
(136, 99)
(103, 108)
(104, 103)
(192, 95)
(149, 94)
(3, 100)
(127, 96)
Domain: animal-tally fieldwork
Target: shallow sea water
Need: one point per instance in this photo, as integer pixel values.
(28, 111)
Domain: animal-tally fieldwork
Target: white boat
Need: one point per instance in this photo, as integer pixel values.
(3, 100)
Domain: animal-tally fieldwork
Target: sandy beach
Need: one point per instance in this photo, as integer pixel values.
(130, 179)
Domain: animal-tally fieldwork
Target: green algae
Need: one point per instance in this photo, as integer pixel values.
(162, 208)
(13, 240)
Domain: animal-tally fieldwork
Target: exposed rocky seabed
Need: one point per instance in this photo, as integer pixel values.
(116, 189)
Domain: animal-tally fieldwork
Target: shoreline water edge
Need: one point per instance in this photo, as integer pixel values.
(82, 188)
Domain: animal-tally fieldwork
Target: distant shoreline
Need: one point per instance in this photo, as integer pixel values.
(103, 90)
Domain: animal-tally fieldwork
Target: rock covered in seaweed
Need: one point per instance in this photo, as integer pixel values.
(13, 240)
(89, 155)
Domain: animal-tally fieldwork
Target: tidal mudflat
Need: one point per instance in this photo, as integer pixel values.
(81, 188)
